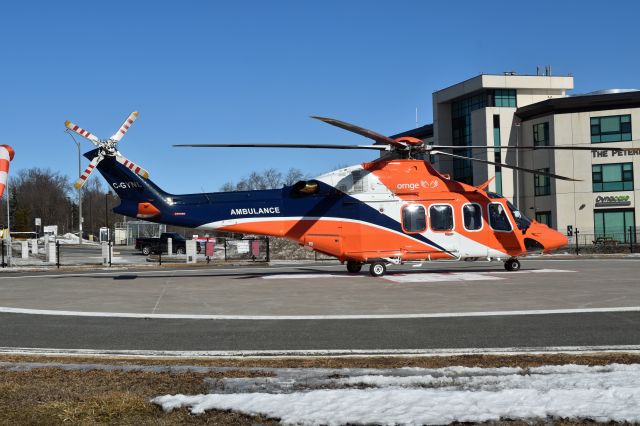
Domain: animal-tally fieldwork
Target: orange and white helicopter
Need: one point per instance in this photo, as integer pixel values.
(393, 210)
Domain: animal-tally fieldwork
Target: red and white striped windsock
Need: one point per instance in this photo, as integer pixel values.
(6, 155)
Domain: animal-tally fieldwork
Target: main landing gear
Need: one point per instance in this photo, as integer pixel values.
(512, 264)
(376, 269)
(353, 266)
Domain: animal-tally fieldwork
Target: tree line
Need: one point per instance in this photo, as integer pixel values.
(266, 179)
(49, 195)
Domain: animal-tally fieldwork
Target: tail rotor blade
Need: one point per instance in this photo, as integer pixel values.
(132, 166)
(87, 172)
(82, 132)
(125, 126)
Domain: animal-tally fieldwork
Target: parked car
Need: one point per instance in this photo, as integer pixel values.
(159, 244)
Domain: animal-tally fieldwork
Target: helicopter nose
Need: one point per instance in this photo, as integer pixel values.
(542, 238)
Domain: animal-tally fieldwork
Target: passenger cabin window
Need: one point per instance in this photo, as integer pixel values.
(414, 218)
(472, 214)
(498, 217)
(441, 217)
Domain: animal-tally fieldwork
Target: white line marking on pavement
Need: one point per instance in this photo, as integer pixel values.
(440, 277)
(314, 317)
(460, 276)
(329, 352)
(412, 277)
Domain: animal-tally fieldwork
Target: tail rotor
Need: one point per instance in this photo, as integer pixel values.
(107, 148)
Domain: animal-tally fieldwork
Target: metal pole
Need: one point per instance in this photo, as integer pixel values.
(106, 213)
(268, 254)
(6, 191)
(577, 245)
(630, 239)
(517, 188)
(58, 254)
(109, 244)
(79, 190)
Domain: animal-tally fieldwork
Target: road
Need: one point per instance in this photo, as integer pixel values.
(315, 308)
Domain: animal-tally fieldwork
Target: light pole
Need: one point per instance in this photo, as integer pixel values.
(517, 188)
(79, 190)
(9, 250)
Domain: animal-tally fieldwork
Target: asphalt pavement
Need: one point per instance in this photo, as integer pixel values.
(320, 307)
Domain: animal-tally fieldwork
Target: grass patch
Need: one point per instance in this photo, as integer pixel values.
(54, 396)
(485, 361)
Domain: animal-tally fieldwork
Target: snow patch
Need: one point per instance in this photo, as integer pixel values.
(415, 396)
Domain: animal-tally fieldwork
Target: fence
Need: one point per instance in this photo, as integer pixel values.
(605, 242)
(125, 233)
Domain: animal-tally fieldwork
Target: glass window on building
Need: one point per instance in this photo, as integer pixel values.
(504, 98)
(614, 128)
(542, 183)
(544, 217)
(498, 217)
(414, 218)
(614, 224)
(472, 214)
(541, 134)
(497, 153)
(441, 217)
(612, 177)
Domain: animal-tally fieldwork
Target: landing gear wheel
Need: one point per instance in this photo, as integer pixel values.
(353, 266)
(377, 269)
(512, 264)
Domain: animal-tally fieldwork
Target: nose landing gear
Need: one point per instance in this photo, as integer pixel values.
(512, 264)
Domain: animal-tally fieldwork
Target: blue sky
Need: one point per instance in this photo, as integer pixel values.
(253, 71)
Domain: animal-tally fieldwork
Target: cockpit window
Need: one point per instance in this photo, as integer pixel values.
(498, 217)
(494, 196)
(522, 221)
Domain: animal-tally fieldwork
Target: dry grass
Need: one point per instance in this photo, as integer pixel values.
(53, 396)
(487, 361)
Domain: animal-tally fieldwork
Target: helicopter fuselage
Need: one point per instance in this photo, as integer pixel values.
(391, 210)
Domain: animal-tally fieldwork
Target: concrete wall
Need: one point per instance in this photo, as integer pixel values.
(568, 197)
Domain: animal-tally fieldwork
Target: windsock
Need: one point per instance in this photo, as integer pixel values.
(6, 155)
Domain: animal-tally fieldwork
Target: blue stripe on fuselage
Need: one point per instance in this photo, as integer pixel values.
(194, 210)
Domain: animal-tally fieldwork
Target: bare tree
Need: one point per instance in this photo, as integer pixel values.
(39, 193)
(272, 179)
(293, 176)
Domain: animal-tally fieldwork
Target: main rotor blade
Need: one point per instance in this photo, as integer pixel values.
(528, 147)
(132, 166)
(82, 132)
(362, 131)
(125, 126)
(508, 166)
(90, 168)
(284, 145)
